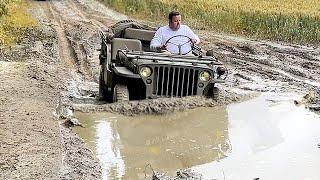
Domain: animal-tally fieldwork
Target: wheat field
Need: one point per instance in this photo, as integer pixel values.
(284, 20)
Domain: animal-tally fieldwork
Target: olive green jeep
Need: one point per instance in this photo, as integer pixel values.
(131, 71)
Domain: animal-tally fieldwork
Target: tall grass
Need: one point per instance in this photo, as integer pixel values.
(285, 20)
(15, 20)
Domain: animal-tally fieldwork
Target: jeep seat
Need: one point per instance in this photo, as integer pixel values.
(120, 43)
(141, 34)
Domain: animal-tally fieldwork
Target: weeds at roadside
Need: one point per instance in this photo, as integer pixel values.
(15, 21)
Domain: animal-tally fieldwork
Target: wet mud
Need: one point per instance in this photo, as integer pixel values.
(208, 143)
(165, 105)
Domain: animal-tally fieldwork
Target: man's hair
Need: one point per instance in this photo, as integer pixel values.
(173, 13)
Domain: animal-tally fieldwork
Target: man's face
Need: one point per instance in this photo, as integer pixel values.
(175, 23)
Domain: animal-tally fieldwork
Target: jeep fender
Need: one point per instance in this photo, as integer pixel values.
(125, 72)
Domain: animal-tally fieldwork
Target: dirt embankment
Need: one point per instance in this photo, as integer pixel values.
(35, 78)
(56, 71)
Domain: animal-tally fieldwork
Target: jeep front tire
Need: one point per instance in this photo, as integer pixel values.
(120, 93)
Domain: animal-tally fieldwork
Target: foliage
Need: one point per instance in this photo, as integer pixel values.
(15, 20)
(288, 20)
(4, 4)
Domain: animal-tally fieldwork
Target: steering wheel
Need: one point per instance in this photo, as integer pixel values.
(189, 40)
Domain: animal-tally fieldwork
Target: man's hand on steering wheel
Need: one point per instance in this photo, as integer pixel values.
(162, 48)
(194, 41)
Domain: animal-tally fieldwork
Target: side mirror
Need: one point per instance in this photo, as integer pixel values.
(221, 71)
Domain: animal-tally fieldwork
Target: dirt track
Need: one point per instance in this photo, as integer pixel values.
(56, 71)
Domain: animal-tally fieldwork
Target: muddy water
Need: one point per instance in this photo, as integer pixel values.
(265, 138)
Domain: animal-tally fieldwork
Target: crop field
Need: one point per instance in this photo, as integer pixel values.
(285, 20)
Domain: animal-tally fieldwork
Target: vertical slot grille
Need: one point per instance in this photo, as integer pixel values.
(175, 81)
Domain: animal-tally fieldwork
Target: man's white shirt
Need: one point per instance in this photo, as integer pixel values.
(165, 32)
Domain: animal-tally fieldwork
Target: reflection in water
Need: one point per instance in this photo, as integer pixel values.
(108, 151)
(271, 138)
(167, 142)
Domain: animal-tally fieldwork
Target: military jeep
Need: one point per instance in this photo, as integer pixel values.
(131, 71)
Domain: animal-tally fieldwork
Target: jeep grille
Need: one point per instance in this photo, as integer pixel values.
(175, 81)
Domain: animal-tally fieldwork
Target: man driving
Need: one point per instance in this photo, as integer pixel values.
(174, 37)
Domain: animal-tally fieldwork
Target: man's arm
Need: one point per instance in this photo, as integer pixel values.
(156, 42)
(193, 36)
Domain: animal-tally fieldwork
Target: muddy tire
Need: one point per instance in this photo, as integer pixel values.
(119, 27)
(124, 22)
(211, 92)
(215, 93)
(103, 89)
(120, 93)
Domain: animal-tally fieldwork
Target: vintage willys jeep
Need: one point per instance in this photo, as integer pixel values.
(130, 71)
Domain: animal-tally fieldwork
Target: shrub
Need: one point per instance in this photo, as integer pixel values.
(15, 21)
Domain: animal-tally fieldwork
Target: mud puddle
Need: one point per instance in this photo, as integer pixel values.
(265, 138)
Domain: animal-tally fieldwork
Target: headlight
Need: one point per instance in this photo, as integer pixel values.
(145, 72)
(205, 76)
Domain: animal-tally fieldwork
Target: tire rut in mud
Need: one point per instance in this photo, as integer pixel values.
(74, 72)
(77, 30)
(294, 66)
(66, 53)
